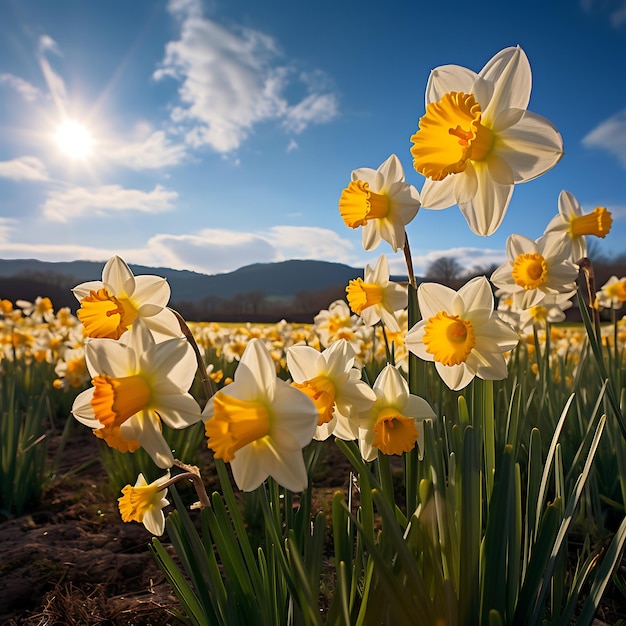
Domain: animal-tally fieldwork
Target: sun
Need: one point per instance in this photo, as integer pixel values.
(74, 140)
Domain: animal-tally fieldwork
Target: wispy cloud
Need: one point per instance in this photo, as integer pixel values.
(614, 9)
(214, 251)
(24, 168)
(7, 226)
(62, 205)
(28, 92)
(154, 152)
(231, 79)
(56, 84)
(470, 259)
(610, 135)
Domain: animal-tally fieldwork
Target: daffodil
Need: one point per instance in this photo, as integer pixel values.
(461, 333)
(375, 298)
(612, 295)
(540, 314)
(109, 307)
(136, 384)
(144, 503)
(330, 379)
(259, 424)
(395, 422)
(573, 223)
(537, 269)
(477, 139)
(380, 201)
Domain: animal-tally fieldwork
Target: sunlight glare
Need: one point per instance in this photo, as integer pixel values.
(74, 140)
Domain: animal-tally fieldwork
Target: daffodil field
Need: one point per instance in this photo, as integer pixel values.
(485, 436)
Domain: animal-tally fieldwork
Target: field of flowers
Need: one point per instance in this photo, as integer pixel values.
(483, 438)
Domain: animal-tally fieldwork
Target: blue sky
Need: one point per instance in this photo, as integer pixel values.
(224, 132)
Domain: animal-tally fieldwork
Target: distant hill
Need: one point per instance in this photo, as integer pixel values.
(279, 280)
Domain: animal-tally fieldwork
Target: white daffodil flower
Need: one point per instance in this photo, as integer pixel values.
(109, 307)
(144, 503)
(259, 424)
(461, 333)
(477, 139)
(573, 223)
(330, 379)
(537, 269)
(395, 422)
(382, 202)
(540, 314)
(137, 383)
(375, 298)
(612, 294)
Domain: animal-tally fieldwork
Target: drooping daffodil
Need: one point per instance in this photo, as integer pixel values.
(572, 222)
(259, 424)
(537, 269)
(330, 379)
(144, 503)
(395, 422)
(461, 333)
(136, 384)
(375, 298)
(477, 139)
(380, 201)
(109, 307)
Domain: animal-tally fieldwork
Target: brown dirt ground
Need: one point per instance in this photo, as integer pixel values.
(72, 561)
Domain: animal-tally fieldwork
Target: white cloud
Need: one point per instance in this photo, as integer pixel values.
(230, 81)
(75, 202)
(469, 259)
(28, 92)
(154, 152)
(610, 135)
(292, 145)
(24, 168)
(614, 9)
(315, 108)
(214, 251)
(7, 225)
(56, 85)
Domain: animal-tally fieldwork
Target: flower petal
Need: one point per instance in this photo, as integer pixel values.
(152, 289)
(531, 147)
(455, 376)
(256, 371)
(509, 70)
(434, 298)
(118, 276)
(439, 194)
(447, 78)
(247, 467)
(477, 294)
(295, 412)
(485, 212)
(304, 363)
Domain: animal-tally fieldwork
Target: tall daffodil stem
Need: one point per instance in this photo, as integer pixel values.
(587, 268)
(409, 263)
(417, 386)
(204, 376)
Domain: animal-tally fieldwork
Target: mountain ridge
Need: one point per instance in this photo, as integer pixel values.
(283, 279)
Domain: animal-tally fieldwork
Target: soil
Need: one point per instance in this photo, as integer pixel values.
(72, 561)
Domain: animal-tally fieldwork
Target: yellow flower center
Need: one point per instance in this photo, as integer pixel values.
(43, 306)
(113, 438)
(114, 400)
(449, 338)
(362, 295)
(450, 134)
(394, 433)
(530, 271)
(597, 223)
(358, 204)
(539, 313)
(322, 391)
(104, 315)
(137, 501)
(617, 291)
(235, 424)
